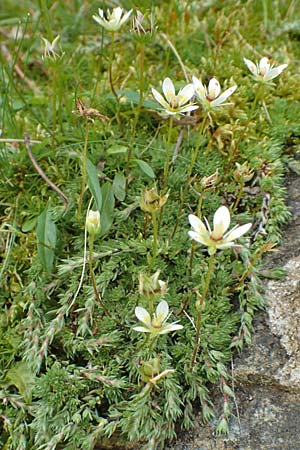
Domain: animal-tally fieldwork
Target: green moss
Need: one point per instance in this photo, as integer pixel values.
(85, 361)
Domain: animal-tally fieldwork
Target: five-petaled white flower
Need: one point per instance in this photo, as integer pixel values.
(50, 48)
(158, 323)
(112, 21)
(264, 71)
(175, 104)
(216, 239)
(211, 97)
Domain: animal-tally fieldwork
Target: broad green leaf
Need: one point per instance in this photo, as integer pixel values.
(23, 378)
(134, 98)
(46, 237)
(119, 185)
(93, 183)
(107, 211)
(145, 167)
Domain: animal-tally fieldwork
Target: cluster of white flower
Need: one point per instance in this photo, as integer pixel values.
(210, 96)
(173, 104)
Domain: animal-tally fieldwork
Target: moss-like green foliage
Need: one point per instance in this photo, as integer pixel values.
(74, 372)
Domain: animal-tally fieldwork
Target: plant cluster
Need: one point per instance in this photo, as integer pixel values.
(118, 320)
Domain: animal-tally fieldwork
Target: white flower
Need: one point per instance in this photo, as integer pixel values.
(264, 71)
(175, 104)
(93, 222)
(158, 323)
(50, 47)
(112, 21)
(211, 96)
(216, 239)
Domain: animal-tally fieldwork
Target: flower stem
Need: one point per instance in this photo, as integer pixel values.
(83, 169)
(99, 68)
(138, 109)
(267, 112)
(202, 299)
(239, 196)
(168, 154)
(111, 81)
(92, 275)
(155, 235)
(54, 95)
(189, 175)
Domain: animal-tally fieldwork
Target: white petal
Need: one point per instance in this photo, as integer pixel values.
(251, 66)
(162, 311)
(116, 14)
(263, 66)
(214, 89)
(168, 89)
(125, 17)
(143, 315)
(221, 99)
(142, 329)
(200, 90)
(170, 327)
(159, 98)
(100, 21)
(221, 222)
(188, 108)
(201, 238)
(197, 224)
(101, 13)
(275, 72)
(235, 233)
(185, 94)
(56, 39)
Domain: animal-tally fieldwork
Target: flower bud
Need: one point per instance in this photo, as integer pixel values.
(151, 201)
(243, 173)
(150, 368)
(93, 223)
(151, 285)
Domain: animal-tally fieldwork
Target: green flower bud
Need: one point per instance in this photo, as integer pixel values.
(93, 223)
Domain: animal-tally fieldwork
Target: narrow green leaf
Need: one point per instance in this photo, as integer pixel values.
(119, 185)
(46, 237)
(107, 211)
(117, 149)
(93, 183)
(145, 167)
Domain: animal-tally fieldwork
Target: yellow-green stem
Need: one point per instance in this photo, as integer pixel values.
(168, 154)
(83, 169)
(137, 111)
(210, 269)
(265, 108)
(155, 237)
(189, 175)
(54, 94)
(112, 51)
(99, 68)
(239, 196)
